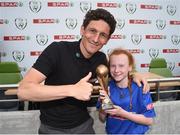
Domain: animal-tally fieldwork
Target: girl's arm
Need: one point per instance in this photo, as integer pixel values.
(138, 118)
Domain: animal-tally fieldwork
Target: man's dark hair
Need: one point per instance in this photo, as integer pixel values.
(100, 14)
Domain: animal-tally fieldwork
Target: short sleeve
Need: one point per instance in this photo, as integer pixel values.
(148, 106)
(46, 62)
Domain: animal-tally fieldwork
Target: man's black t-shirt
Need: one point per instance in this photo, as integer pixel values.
(63, 63)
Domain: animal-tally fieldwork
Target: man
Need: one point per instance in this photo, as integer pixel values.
(66, 68)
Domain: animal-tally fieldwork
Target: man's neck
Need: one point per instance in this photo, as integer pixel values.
(84, 51)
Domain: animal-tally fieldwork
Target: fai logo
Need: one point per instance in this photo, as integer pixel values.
(35, 6)
(18, 55)
(171, 10)
(136, 39)
(131, 8)
(85, 6)
(160, 24)
(21, 23)
(175, 39)
(153, 53)
(171, 65)
(120, 23)
(71, 23)
(42, 39)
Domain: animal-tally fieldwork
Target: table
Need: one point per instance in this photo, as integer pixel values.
(153, 79)
(159, 84)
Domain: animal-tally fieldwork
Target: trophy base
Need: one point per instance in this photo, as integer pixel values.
(107, 106)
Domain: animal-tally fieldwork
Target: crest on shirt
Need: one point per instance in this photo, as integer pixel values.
(153, 53)
(21, 23)
(35, 6)
(42, 39)
(71, 23)
(85, 6)
(18, 55)
(150, 106)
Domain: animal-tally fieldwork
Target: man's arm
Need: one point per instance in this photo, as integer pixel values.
(31, 89)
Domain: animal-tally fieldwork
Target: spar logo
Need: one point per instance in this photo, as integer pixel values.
(66, 37)
(20, 23)
(45, 21)
(135, 51)
(173, 22)
(138, 21)
(160, 24)
(35, 53)
(144, 65)
(155, 36)
(175, 39)
(11, 4)
(41, 39)
(60, 4)
(71, 23)
(156, 7)
(109, 5)
(153, 53)
(18, 56)
(4, 21)
(171, 9)
(85, 6)
(131, 8)
(171, 65)
(118, 37)
(120, 23)
(35, 6)
(171, 50)
(136, 39)
(14, 38)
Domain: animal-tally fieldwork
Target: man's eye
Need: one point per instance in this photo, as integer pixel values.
(93, 31)
(104, 35)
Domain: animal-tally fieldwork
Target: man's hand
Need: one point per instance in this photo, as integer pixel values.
(139, 78)
(83, 89)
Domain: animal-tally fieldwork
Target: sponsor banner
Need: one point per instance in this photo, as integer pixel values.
(147, 29)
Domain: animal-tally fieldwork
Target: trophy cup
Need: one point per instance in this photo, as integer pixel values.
(102, 76)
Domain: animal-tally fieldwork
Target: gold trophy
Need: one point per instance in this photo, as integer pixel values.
(102, 76)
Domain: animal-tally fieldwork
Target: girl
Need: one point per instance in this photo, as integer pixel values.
(133, 111)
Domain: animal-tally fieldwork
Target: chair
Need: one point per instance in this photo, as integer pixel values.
(9, 74)
(159, 66)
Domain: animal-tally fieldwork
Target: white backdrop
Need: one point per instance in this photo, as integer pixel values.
(148, 29)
